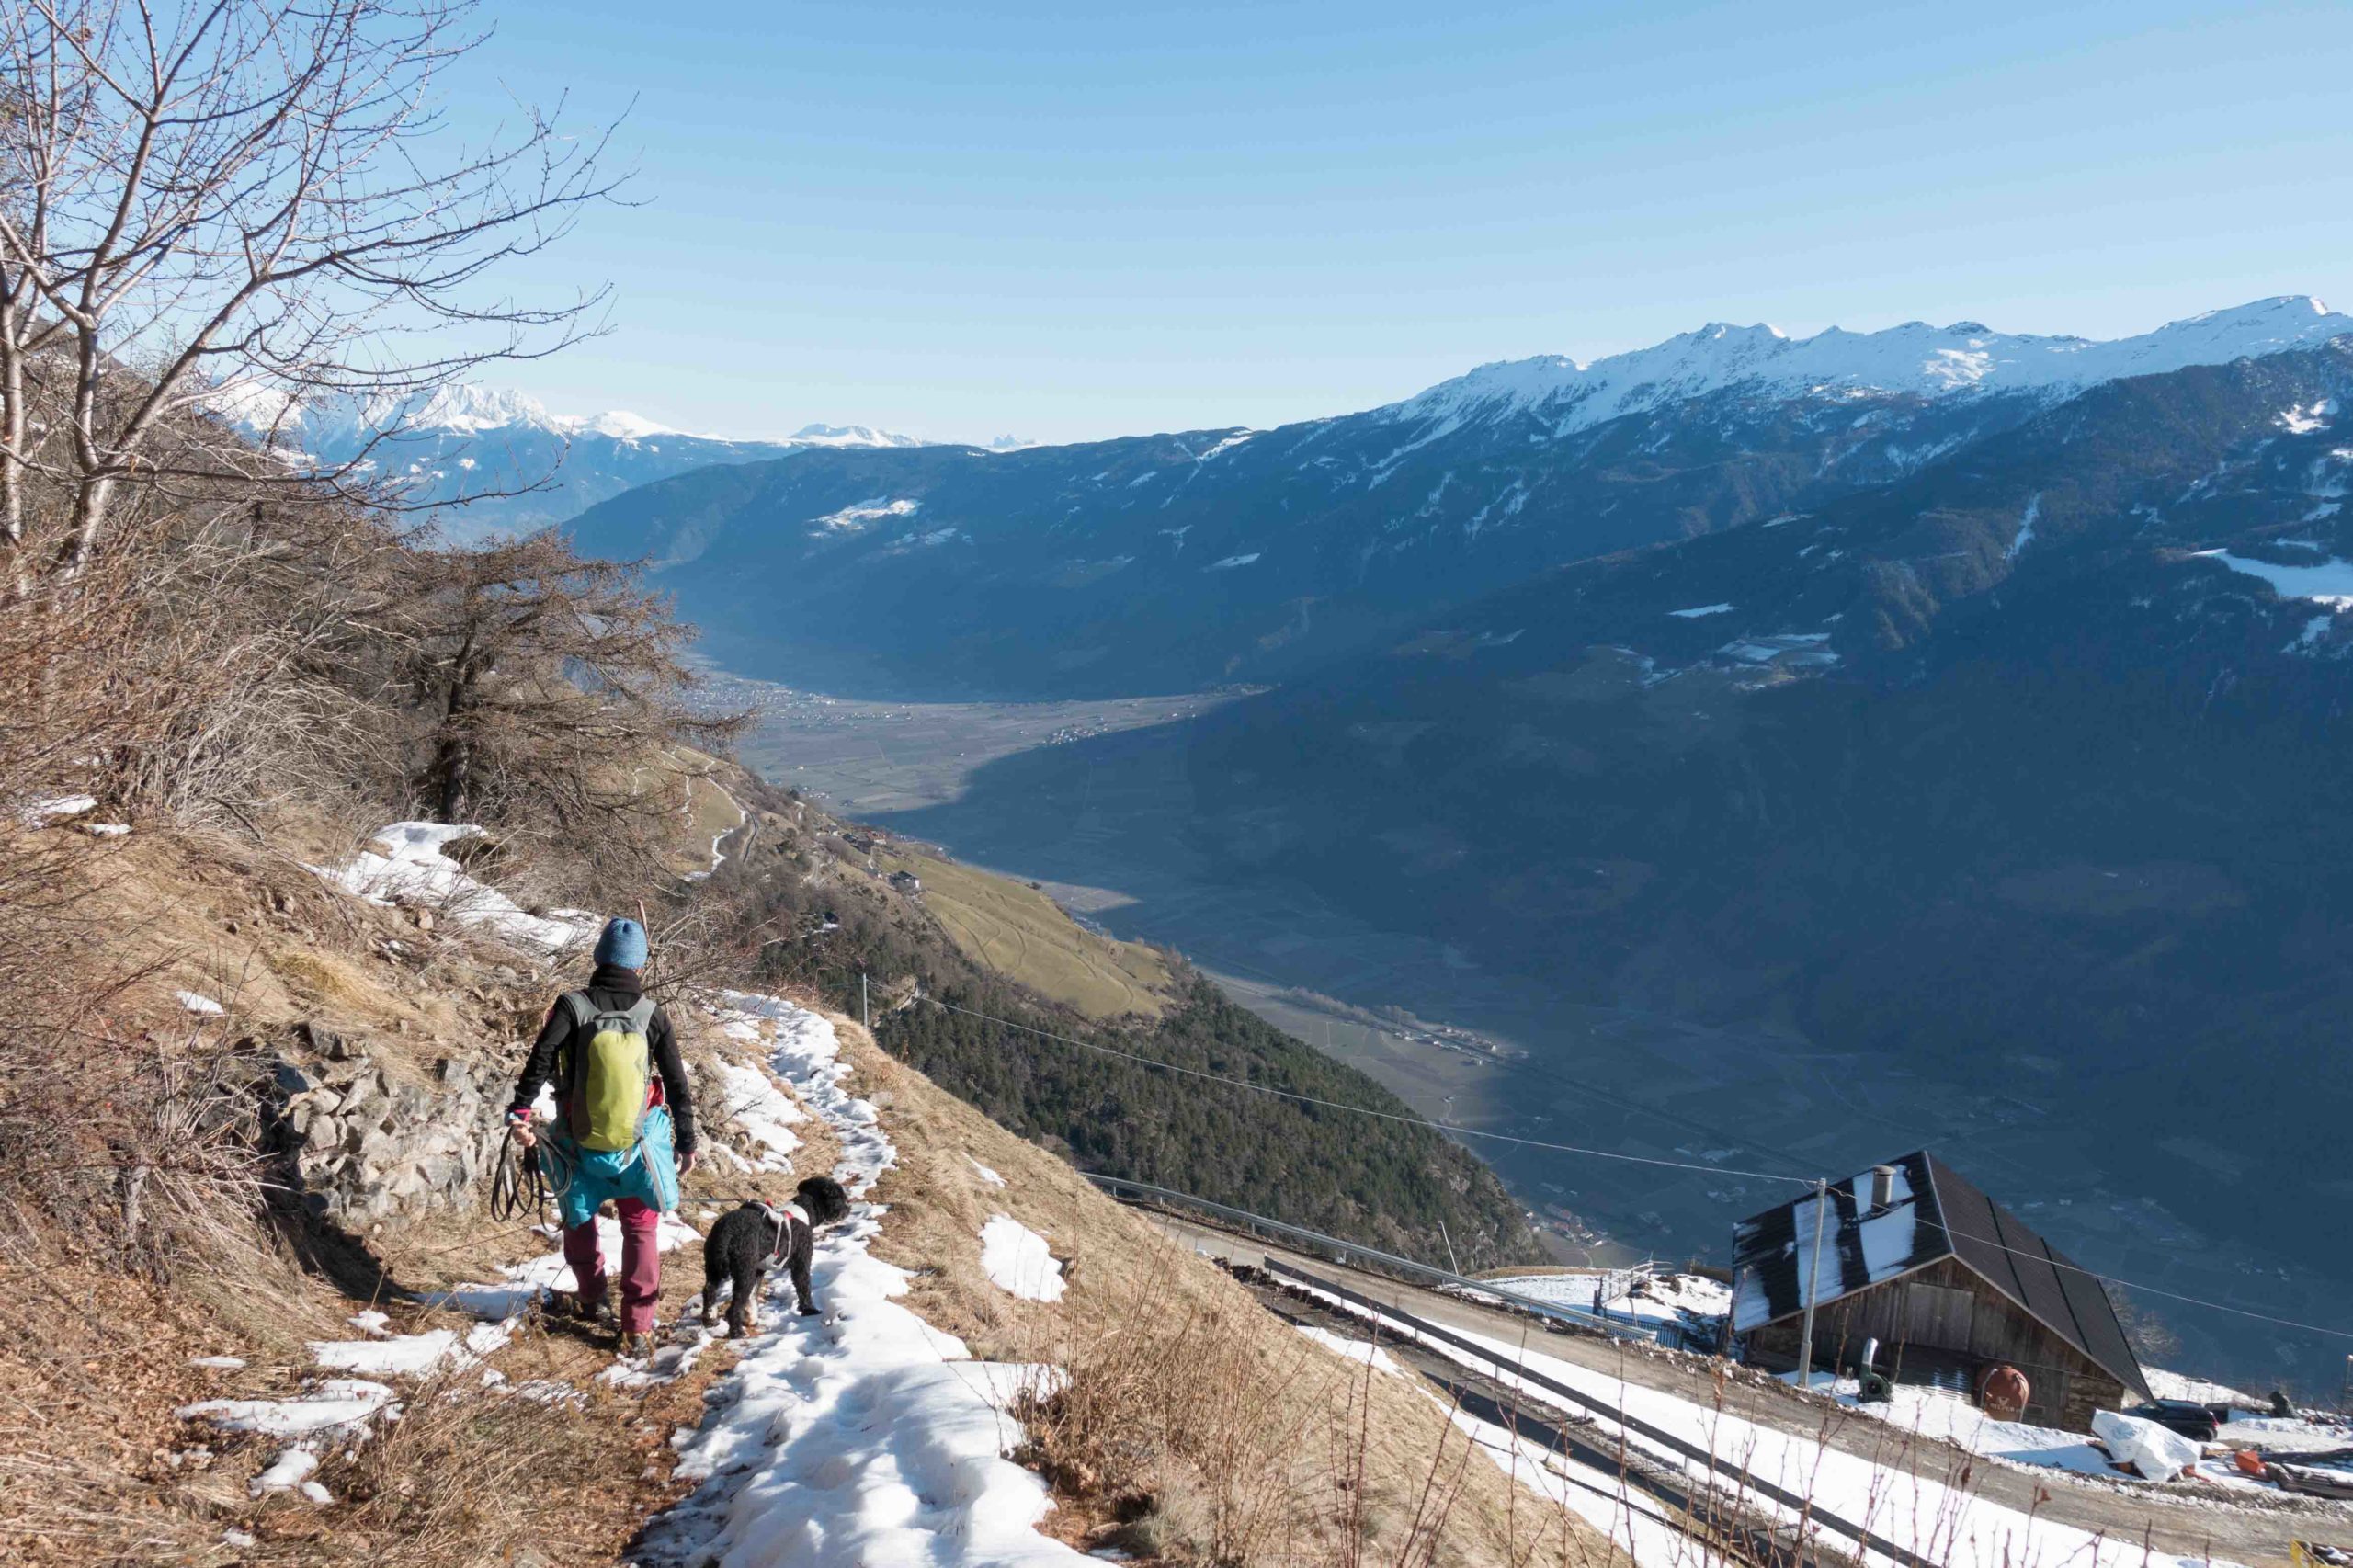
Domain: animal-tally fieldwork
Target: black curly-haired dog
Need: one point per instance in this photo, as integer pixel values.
(745, 1245)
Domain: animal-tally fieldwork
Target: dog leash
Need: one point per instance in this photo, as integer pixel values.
(519, 1179)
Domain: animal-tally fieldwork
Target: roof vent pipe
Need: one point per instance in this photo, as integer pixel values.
(1882, 1188)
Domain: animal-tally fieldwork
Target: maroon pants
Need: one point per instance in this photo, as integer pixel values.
(641, 1263)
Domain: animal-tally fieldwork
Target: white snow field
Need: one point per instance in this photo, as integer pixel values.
(862, 1436)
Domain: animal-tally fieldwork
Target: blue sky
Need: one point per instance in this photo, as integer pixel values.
(1075, 221)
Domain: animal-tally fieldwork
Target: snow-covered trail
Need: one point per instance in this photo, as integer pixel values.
(861, 1435)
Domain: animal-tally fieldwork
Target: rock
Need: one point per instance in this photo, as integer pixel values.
(314, 1121)
(348, 1068)
(325, 1041)
(292, 1080)
(378, 1152)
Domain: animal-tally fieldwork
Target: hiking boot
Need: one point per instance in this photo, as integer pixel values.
(637, 1347)
(570, 1306)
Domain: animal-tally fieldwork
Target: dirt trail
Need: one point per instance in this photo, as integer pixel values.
(2190, 1521)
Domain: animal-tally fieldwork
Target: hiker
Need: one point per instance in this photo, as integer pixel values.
(622, 1098)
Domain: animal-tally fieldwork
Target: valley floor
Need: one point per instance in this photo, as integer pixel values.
(1105, 828)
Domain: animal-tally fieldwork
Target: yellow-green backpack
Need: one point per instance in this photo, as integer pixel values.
(612, 1072)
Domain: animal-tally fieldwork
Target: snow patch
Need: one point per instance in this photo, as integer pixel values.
(2157, 1452)
(986, 1174)
(2025, 524)
(2305, 419)
(57, 808)
(1357, 1350)
(859, 514)
(764, 1111)
(408, 863)
(866, 1436)
(411, 1354)
(1891, 1499)
(1017, 1262)
(332, 1403)
(2329, 583)
(199, 1004)
(286, 1472)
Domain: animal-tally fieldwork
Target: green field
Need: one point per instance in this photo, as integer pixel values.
(1018, 931)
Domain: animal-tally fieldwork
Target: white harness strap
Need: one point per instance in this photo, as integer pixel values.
(781, 1218)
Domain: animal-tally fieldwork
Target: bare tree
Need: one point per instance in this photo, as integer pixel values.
(243, 205)
(551, 691)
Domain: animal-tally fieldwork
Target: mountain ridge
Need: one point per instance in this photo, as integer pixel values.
(1175, 563)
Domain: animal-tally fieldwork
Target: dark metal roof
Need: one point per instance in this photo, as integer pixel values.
(1936, 1213)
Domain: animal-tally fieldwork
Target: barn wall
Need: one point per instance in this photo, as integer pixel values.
(1946, 1318)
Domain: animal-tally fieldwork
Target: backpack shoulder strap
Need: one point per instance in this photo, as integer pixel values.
(641, 1014)
(577, 1004)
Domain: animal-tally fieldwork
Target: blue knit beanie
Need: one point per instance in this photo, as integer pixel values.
(622, 944)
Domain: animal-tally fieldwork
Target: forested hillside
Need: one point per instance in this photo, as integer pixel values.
(824, 922)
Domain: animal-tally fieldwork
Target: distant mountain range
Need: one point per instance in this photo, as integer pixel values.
(1171, 563)
(1974, 701)
(516, 466)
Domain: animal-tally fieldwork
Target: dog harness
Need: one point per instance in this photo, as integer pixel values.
(783, 1217)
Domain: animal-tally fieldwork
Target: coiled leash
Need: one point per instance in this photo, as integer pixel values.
(520, 1187)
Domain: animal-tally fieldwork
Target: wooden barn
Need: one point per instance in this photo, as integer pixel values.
(1949, 1283)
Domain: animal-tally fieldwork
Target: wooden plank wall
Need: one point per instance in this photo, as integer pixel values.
(1950, 1315)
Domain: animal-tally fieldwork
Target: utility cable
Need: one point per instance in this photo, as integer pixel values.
(1604, 1154)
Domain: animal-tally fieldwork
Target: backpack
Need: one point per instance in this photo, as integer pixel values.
(613, 1073)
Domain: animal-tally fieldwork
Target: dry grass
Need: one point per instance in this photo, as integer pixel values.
(1196, 1427)
(94, 1468)
(1017, 930)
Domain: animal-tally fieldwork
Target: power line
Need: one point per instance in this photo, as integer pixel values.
(1364, 1111)
(1604, 1155)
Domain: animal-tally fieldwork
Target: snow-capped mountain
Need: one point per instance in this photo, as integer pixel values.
(1914, 359)
(850, 435)
(486, 461)
(1180, 561)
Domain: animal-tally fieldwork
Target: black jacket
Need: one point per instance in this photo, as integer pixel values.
(616, 990)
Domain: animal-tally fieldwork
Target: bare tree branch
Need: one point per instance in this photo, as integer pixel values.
(240, 207)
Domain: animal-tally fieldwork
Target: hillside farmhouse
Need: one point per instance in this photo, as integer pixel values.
(1950, 1283)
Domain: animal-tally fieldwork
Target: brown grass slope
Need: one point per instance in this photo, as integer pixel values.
(1196, 1427)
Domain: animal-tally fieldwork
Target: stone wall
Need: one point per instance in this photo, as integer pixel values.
(368, 1147)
